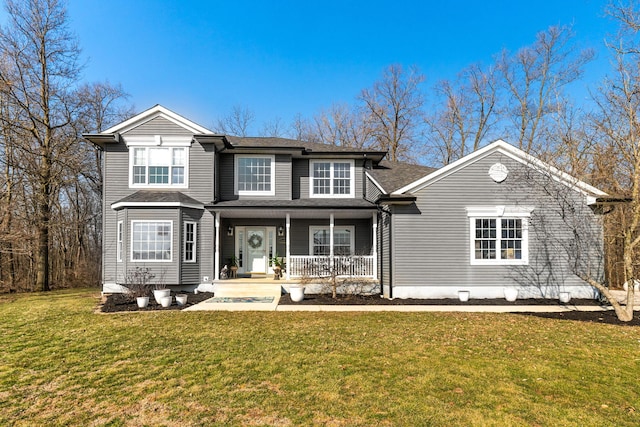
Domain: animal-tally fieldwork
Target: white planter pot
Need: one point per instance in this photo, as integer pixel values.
(159, 293)
(181, 299)
(463, 295)
(296, 293)
(166, 301)
(565, 297)
(510, 294)
(142, 301)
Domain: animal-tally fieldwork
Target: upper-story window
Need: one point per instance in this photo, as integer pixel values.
(331, 178)
(159, 167)
(255, 175)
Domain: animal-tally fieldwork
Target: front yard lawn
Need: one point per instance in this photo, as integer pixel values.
(63, 364)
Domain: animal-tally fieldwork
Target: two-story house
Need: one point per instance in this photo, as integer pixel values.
(184, 202)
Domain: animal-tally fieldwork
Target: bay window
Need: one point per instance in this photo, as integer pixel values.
(151, 240)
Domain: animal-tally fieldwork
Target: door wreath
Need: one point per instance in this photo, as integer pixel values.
(255, 241)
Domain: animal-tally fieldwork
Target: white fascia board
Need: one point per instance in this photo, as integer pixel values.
(515, 154)
(119, 205)
(376, 183)
(152, 113)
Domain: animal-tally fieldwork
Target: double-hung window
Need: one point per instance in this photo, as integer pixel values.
(499, 235)
(159, 166)
(120, 243)
(255, 175)
(189, 237)
(331, 178)
(320, 240)
(151, 240)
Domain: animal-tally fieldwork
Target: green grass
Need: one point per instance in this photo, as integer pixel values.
(62, 364)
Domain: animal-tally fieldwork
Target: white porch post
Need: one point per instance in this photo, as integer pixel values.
(375, 245)
(331, 241)
(216, 256)
(287, 246)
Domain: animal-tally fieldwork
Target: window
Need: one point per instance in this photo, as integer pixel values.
(331, 178)
(255, 175)
(158, 166)
(189, 242)
(119, 246)
(320, 240)
(499, 235)
(151, 240)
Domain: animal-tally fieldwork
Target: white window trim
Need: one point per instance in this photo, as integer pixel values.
(195, 242)
(171, 241)
(237, 192)
(170, 147)
(352, 236)
(498, 213)
(120, 241)
(352, 181)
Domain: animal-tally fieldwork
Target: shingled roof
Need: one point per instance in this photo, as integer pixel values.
(394, 175)
(143, 197)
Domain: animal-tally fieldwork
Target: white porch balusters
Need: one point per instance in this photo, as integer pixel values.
(331, 253)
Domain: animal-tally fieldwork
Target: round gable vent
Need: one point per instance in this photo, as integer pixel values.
(498, 172)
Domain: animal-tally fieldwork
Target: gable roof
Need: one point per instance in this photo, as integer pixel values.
(152, 113)
(511, 152)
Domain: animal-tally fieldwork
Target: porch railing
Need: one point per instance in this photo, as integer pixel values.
(320, 266)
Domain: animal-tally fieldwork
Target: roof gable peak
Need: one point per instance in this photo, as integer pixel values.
(152, 113)
(513, 152)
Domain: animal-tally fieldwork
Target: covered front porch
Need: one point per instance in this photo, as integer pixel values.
(306, 243)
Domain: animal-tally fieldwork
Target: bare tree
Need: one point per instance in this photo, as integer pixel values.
(341, 125)
(273, 128)
(40, 64)
(534, 78)
(464, 113)
(393, 111)
(237, 122)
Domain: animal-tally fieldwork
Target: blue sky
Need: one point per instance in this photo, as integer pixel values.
(279, 58)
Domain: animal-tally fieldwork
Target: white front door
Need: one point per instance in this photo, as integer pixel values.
(255, 246)
(256, 250)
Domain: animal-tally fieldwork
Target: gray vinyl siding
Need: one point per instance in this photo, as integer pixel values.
(190, 271)
(282, 179)
(227, 243)
(206, 246)
(158, 126)
(116, 175)
(301, 178)
(371, 191)
(384, 228)
(441, 255)
(166, 272)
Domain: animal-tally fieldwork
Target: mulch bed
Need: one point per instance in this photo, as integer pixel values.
(114, 303)
(118, 303)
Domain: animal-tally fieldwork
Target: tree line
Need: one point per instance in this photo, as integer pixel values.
(51, 181)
